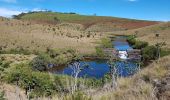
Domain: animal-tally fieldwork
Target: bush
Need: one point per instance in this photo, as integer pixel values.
(99, 52)
(53, 58)
(40, 83)
(149, 53)
(140, 45)
(131, 40)
(106, 43)
(41, 62)
(136, 44)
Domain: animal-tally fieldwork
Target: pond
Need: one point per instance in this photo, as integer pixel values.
(98, 68)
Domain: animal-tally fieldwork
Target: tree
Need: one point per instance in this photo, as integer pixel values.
(76, 68)
(159, 46)
(113, 71)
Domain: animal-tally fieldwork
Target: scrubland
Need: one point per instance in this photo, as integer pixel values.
(83, 34)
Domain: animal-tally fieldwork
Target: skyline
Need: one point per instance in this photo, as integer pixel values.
(156, 10)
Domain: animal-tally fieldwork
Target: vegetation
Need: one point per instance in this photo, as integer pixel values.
(53, 58)
(149, 53)
(87, 21)
(77, 96)
(70, 30)
(2, 96)
(136, 44)
(34, 82)
(99, 52)
(19, 50)
(106, 43)
(165, 52)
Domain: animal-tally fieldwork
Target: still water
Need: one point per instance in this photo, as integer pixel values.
(98, 68)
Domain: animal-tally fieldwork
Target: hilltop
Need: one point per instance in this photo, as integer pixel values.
(90, 23)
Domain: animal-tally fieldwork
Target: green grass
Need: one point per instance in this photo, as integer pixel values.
(87, 21)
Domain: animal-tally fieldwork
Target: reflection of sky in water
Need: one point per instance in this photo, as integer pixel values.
(121, 46)
(98, 68)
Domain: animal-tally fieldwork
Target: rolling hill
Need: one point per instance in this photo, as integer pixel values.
(90, 23)
(38, 31)
(25, 34)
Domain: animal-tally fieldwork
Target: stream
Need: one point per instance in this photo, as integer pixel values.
(98, 68)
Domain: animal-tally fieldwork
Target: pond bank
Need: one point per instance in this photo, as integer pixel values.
(98, 67)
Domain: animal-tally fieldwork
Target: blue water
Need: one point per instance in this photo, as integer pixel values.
(121, 44)
(95, 69)
(98, 68)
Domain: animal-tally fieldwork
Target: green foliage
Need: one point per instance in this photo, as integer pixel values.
(131, 40)
(53, 57)
(106, 43)
(40, 83)
(165, 52)
(19, 50)
(41, 62)
(149, 53)
(4, 64)
(2, 95)
(44, 84)
(135, 43)
(99, 52)
(140, 45)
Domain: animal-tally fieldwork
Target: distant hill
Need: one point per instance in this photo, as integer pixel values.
(91, 23)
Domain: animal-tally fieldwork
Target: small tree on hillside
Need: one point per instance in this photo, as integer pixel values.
(159, 45)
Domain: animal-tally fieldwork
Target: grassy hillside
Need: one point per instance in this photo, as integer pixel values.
(148, 34)
(38, 37)
(143, 85)
(92, 22)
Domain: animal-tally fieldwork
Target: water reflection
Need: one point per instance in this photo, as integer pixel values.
(98, 68)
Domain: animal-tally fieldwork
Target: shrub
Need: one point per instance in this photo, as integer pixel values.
(40, 83)
(106, 43)
(41, 62)
(140, 45)
(131, 40)
(136, 44)
(149, 53)
(99, 52)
